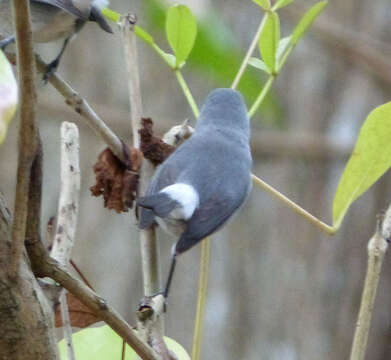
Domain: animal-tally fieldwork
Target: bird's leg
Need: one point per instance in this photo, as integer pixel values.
(170, 275)
(5, 42)
(52, 67)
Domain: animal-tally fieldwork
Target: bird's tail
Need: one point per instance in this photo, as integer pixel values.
(97, 16)
(159, 204)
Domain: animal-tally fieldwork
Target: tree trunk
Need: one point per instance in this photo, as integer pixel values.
(27, 329)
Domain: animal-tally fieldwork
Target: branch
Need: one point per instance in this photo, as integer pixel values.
(68, 205)
(51, 268)
(68, 208)
(27, 129)
(151, 329)
(149, 248)
(377, 247)
(66, 324)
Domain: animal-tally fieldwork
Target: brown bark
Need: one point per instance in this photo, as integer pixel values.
(25, 317)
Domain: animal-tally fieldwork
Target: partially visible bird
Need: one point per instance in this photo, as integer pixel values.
(205, 180)
(52, 20)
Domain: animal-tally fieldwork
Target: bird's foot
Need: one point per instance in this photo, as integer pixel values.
(50, 70)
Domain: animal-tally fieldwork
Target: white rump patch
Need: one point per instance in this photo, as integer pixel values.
(186, 196)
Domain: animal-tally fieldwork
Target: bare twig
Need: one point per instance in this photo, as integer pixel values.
(151, 330)
(49, 267)
(377, 247)
(66, 324)
(45, 266)
(81, 106)
(130, 50)
(149, 248)
(68, 205)
(27, 129)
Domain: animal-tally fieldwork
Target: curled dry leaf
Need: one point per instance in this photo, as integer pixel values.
(80, 315)
(153, 148)
(115, 181)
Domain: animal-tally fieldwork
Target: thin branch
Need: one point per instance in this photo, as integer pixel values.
(66, 324)
(296, 208)
(45, 266)
(68, 205)
(249, 53)
(149, 248)
(82, 107)
(49, 267)
(377, 247)
(152, 329)
(130, 50)
(27, 129)
(68, 208)
(201, 299)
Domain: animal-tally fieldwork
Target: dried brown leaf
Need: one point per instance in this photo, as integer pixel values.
(80, 315)
(115, 181)
(153, 148)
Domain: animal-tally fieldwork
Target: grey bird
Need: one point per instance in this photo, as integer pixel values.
(205, 180)
(53, 20)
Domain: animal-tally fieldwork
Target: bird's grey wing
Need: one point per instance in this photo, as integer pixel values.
(66, 5)
(210, 216)
(166, 175)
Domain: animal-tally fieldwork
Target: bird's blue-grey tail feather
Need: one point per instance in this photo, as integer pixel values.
(98, 17)
(160, 204)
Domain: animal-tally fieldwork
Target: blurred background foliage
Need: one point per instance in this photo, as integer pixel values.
(279, 288)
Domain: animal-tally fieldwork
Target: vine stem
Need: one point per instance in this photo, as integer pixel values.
(201, 299)
(331, 230)
(261, 96)
(187, 93)
(248, 54)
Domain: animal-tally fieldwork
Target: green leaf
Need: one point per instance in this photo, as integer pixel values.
(281, 3)
(306, 21)
(177, 349)
(269, 39)
(102, 343)
(264, 4)
(370, 159)
(181, 31)
(282, 47)
(217, 56)
(8, 95)
(259, 64)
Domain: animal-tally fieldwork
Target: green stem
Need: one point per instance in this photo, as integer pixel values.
(249, 52)
(284, 58)
(331, 230)
(201, 299)
(187, 93)
(261, 95)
